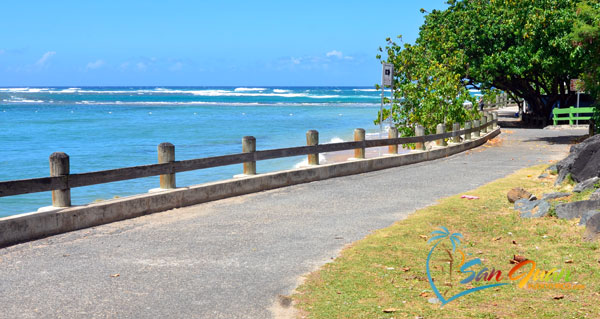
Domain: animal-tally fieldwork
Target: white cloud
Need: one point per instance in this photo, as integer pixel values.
(296, 60)
(94, 65)
(42, 61)
(141, 66)
(334, 53)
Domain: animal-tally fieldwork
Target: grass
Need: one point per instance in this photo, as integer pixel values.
(386, 270)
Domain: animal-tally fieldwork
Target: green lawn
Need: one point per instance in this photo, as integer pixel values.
(386, 270)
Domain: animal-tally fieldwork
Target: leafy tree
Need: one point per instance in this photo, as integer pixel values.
(586, 36)
(521, 47)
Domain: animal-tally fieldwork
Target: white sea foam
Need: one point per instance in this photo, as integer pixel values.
(322, 157)
(249, 89)
(24, 90)
(15, 100)
(280, 91)
(335, 140)
(364, 90)
(304, 162)
(165, 103)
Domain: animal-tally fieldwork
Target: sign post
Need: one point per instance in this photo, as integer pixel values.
(387, 79)
(576, 85)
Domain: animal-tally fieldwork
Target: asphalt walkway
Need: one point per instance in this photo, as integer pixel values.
(232, 258)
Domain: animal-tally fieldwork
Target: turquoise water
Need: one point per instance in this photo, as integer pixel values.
(104, 128)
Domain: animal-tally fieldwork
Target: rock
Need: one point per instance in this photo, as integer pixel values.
(576, 209)
(587, 184)
(586, 216)
(583, 161)
(555, 195)
(592, 228)
(532, 209)
(595, 195)
(544, 175)
(551, 168)
(517, 193)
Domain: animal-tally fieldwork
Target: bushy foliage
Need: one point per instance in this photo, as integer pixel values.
(524, 48)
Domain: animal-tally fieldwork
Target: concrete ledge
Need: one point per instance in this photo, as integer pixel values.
(30, 226)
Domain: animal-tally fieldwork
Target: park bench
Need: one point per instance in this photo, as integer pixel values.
(573, 114)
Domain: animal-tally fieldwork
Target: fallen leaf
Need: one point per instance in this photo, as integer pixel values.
(424, 294)
(405, 269)
(339, 292)
(497, 238)
(514, 242)
(115, 275)
(558, 297)
(423, 237)
(570, 261)
(389, 310)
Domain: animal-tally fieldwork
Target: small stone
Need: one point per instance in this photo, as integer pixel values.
(544, 175)
(517, 193)
(433, 300)
(586, 216)
(587, 184)
(551, 168)
(555, 195)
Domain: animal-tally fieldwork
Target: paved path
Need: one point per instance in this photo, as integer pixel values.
(232, 258)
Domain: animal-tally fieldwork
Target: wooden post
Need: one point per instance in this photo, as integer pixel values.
(489, 120)
(468, 126)
(312, 138)
(495, 119)
(482, 124)
(249, 146)
(59, 166)
(456, 128)
(476, 126)
(166, 154)
(440, 129)
(393, 133)
(359, 135)
(420, 131)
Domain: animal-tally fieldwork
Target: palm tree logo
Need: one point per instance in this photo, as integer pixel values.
(438, 236)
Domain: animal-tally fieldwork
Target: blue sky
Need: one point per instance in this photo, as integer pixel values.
(200, 43)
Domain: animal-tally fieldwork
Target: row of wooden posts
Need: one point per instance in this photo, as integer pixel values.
(59, 161)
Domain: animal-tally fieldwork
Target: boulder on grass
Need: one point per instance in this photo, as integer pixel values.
(583, 161)
(576, 209)
(592, 228)
(586, 216)
(555, 195)
(587, 184)
(533, 208)
(595, 195)
(517, 193)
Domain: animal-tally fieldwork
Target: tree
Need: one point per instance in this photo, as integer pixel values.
(521, 47)
(429, 92)
(586, 36)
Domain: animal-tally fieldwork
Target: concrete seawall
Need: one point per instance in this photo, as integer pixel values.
(24, 227)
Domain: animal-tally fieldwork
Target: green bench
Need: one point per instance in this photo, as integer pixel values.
(572, 113)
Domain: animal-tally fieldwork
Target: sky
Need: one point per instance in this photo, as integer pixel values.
(200, 43)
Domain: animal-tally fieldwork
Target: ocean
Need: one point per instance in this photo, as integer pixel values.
(112, 127)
